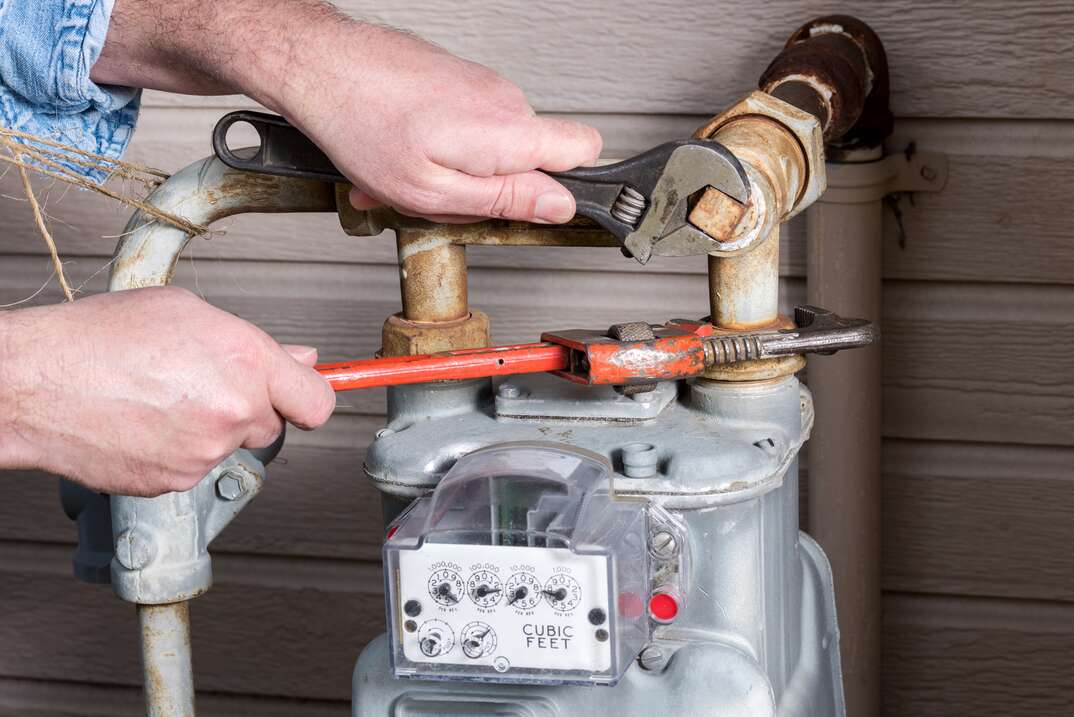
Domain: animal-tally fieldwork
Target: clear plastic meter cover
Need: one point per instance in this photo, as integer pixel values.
(521, 567)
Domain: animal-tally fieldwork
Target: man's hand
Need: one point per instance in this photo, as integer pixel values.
(142, 392)
(433, 135)
(410, 124)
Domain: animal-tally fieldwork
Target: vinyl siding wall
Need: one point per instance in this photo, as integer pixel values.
(978, 334)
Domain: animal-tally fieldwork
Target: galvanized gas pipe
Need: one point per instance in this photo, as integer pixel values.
(167, 669)
(843, 260)
(146, 256)
(835, 69)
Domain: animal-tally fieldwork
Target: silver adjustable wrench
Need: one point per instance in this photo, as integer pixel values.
(644, 201)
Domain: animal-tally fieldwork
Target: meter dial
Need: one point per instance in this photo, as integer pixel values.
(484, 588)
(562, 592)
(445, 586)
(478, 639)
(523, 591)
(435, 638)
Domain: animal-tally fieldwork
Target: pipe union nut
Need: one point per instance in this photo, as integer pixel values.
(805, 128)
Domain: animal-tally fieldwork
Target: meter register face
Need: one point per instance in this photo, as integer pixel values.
(505, 607)
(513, 571)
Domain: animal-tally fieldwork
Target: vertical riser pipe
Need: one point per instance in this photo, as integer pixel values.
(166, 660)
(844, 275)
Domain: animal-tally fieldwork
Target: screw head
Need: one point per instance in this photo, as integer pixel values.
(652, 658)
(664, 545)
(928, 173)
(508, 390)
(133, 549)
(597, 616)
(412, 608)
(230, 486)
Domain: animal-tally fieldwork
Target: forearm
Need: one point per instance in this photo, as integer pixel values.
(18, 354)
(409, 124)
(216, 46)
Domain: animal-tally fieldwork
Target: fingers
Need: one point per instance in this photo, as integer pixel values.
(298, 393)
(459, 198)
(497, 179)
(548, 143)
(529, 196)
(565, 144)
(362, 201)
(305, 355)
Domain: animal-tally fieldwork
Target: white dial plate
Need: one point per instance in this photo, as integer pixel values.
(535, 604)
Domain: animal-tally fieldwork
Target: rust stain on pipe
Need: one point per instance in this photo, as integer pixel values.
(836, 68)
(432, 276)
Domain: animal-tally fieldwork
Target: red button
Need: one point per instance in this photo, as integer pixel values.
(663, 607)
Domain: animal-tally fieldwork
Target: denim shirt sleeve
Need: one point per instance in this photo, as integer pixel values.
(47, 48)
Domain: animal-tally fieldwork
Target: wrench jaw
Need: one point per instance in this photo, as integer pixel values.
(665, 229)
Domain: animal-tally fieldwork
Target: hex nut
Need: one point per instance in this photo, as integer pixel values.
(400, 337)
(230, 486)
(804, 126)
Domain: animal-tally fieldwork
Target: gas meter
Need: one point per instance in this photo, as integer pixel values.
(522, 566)
(625, 540)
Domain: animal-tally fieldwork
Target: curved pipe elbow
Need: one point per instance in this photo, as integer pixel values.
(835, 68)
(202, 193)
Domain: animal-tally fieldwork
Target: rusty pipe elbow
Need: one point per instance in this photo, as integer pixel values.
(835, 68)
(201, 193)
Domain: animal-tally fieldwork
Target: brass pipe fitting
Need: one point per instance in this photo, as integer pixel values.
(432, 281)
(432, 276)
(782, 150)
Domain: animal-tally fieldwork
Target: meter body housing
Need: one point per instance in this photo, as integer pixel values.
(727, 609)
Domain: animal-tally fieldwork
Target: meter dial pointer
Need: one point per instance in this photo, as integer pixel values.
(445, 591)
(520, 593)
(557, 595)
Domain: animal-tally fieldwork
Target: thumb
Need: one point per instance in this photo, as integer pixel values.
(297, 392)
(305, 355)
(526, 196)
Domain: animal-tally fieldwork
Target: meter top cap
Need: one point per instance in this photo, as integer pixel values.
(523, 493)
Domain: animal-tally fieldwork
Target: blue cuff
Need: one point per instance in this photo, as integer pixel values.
(47, 49)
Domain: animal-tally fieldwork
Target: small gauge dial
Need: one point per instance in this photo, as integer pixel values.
(485, 588)
(435, 638)
(478, 639)
(523, 591)
(445, 586)
(562, 592)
